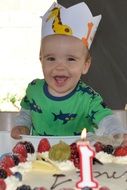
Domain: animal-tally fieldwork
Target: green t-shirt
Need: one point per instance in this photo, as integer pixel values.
(68, 115)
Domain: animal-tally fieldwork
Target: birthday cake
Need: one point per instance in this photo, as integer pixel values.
(49, 168)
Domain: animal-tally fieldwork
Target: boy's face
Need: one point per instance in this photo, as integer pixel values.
(64, 59)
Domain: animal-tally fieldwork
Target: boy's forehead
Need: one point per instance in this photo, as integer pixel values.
(61, 42)
(59, 37)
(58, 40)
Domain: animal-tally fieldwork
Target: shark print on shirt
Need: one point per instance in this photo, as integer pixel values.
(65, 117)
(88, 90)
(33, 105)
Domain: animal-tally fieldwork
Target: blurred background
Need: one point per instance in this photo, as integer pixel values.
(108, 71)
(20, 32)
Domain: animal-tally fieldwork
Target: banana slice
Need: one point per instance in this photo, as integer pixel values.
(40, 165)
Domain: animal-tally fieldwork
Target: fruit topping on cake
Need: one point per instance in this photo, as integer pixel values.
(6, 170)
(108, 149)
(60, 152)
(2, 184)
(24, 187)
(20, 149)
(120, 151)
(18, 175)
(3, 173)
(40, 165)
(87, 188)
(9, 160)
(109, 154)
(74, 155)
(23, 148)
(102, 147)
(29, 147)
(99, 146)
(43, 145)
(27, 187)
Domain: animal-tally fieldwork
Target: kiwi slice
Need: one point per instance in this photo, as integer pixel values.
(60, 152)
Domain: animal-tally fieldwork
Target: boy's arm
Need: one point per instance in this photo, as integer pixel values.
(23, 118)
(22, 124)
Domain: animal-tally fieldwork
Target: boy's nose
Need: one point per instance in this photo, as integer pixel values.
(60, 65)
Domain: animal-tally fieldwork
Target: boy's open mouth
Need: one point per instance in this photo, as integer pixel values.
(60, 80)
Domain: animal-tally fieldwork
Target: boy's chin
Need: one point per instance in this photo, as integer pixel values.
(59, 92)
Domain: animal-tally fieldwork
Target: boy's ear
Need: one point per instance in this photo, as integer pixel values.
(87, 64)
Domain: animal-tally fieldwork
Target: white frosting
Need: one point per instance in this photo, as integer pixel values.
(120, 159)
(104, 157)
(12, 183)
(31, 157)
(108, 158)
(22, 167)
(65, 166)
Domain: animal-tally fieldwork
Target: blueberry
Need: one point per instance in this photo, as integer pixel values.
(18, 175)
(29, 147)
(87, 188)
(3, 173)
(24, 187)
(108, 149)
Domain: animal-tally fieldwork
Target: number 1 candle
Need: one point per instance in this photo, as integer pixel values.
(86, 154)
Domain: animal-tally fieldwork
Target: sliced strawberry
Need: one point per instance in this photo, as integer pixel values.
(20, 148)
(9, 161)
(2, 184)
(3, 164)
(120, 151)
(21, 158)
(43, 145)
(7, 170)
(99, 146)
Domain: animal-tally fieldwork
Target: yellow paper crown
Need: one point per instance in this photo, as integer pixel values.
(76, 21)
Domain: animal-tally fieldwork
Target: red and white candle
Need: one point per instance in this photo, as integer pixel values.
(86, 154)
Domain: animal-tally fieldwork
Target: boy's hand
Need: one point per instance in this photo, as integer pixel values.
(19, 130)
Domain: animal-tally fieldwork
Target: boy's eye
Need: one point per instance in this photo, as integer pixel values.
(71, 59)
(50, 59)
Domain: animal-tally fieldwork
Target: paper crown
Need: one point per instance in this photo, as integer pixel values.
(76, 21)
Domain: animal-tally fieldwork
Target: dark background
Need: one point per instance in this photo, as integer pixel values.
(108, 72)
